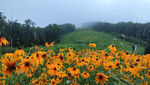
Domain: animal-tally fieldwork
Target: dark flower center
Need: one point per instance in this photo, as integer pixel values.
(148, 73)
(131, 66)
(135, 64)
(37, 82)
(61, 58)
(37, 55)
(12, 67)
(138, 60)
(74, 69)
(53, 82)
(106, 54)
(60, 78)
(83, 60)
(100, 76)
(69, 74)
(27, 64)
(55, 68)
(118, 64)
(44, 80)
(110, 66)
(44, 56)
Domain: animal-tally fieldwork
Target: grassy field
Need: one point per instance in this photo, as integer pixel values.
(82, 37)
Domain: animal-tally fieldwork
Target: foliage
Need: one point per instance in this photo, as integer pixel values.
(27, 34)
(7, 50)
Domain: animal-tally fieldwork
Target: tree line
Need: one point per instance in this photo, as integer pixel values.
(28, 34)
(137, 30)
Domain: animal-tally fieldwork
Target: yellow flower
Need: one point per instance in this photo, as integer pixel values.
(9, 55)
(58, 64)
(48, 44)
(37, 57)
(26, 65)
(101, 78)
(60, 56)
(73, 70)
(92, 45)
(53, 70)
(109, 65)
(3, 40)
(112, 49)
(43, 81)
(53, 82)
(38, 48)
(85, 75)
(61, 74)
(9, 65)
(91, 68)
(20, 52)
(2, 82)
(61, 49)
(35, 82)
(70, 55)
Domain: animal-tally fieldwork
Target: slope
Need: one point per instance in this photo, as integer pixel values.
(82, 37)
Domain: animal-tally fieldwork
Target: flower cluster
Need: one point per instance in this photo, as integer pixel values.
(48, 44)
(68, 66)
(3, 41)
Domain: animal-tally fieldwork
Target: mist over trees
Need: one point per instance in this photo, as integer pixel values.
(28, 34)
(137, 30)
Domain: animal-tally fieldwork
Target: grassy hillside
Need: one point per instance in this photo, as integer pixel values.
(82, 37)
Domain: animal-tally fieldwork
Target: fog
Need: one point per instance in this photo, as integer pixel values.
(44, 12)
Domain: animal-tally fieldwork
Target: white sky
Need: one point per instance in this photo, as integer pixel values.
(44, 12)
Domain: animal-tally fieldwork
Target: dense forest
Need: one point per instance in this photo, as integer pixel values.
(28, 34)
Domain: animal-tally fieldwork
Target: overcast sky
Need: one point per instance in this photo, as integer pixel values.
(44, 12)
